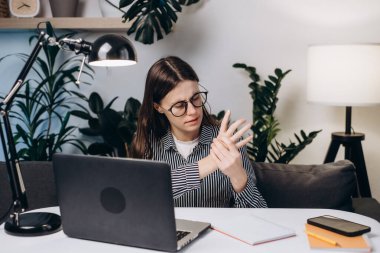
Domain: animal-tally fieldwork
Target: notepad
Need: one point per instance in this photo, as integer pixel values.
(252, 230)
(345, 243)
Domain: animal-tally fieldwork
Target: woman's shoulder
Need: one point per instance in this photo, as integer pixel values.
(210, 128)
(208, 132)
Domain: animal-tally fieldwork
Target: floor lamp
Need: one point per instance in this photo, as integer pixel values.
(345, 75)
(108, 50)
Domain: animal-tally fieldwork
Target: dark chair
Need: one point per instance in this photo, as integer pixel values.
(329, 185)
(39, 184)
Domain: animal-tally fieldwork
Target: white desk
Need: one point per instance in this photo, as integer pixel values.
(211, 241)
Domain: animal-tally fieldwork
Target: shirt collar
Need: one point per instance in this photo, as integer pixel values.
(205, 138)
(168, 141)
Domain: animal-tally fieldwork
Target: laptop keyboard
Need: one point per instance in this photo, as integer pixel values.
(181, 234)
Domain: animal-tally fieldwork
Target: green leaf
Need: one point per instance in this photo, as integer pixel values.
(240, 65)
(132, 108)
(80, 114)
(95, 103)
(125, 3)
(278, 72)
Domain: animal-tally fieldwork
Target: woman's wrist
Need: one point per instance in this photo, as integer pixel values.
(239, 181)
(206, 166)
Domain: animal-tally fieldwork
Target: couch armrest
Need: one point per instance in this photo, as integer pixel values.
(367, 206)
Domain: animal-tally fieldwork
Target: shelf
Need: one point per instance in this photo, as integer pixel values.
(95, 23)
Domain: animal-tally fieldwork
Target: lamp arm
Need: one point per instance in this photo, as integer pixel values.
(25, 70)
(79, 46)
(20, 203)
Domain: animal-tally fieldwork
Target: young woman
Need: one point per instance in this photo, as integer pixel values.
(209, 163)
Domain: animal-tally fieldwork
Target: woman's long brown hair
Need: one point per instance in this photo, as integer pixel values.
(162, 77)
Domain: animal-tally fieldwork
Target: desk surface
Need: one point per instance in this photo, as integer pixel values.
(211, 241)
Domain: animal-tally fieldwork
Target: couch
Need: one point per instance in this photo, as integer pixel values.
(282, 185)
(39, 183)
(329, 185)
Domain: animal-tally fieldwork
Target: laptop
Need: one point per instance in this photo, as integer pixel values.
(121, 201)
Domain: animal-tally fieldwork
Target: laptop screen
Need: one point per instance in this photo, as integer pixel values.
(116, 200)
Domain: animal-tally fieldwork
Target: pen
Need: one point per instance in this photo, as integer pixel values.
(322, 238)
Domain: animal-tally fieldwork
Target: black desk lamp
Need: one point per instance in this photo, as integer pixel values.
(108, 50)
(346, 75)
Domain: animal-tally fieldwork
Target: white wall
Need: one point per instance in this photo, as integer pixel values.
(215, 34)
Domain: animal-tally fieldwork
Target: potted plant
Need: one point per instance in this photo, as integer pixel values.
(115, 128)
(264, 146)
(150, 17)
(40, 112)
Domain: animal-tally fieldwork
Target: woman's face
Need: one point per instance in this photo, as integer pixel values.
(185, 127)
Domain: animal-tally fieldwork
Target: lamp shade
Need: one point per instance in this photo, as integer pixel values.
(344, 75)
(112, 50)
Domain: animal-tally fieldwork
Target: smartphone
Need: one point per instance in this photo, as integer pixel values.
(338, 225)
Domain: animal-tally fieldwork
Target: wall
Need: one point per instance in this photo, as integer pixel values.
(215, 34)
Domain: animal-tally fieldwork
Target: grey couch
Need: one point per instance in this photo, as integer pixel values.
(282, 185)
(328, 185)
(39, 183)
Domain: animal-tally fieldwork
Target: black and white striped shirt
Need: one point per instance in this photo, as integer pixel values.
(215, 190)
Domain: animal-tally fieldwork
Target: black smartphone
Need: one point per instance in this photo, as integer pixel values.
(338, 225)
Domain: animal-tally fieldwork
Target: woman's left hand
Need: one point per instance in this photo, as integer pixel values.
(228, 159)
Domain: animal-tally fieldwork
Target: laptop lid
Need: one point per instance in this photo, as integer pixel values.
(116, 200)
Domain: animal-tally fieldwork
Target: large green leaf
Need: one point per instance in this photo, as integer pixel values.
(95, 103)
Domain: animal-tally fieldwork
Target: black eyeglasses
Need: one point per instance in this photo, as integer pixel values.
(197, 100)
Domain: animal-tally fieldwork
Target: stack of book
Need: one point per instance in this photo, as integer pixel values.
(320, 238)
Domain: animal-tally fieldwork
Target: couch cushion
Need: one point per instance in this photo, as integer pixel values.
(39, 184)
(328, 185)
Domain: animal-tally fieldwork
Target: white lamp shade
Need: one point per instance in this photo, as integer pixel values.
(344, 75)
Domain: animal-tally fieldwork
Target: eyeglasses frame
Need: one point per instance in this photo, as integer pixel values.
(187, 103)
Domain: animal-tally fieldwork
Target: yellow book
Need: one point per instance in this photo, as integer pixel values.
(320, 238)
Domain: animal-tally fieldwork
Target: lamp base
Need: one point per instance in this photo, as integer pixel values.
(34, 224)
(353, 152)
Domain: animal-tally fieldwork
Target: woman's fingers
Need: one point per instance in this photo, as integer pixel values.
(224, 123)
(232, 133)
(234, 126)
(241, 132)
(244, 141)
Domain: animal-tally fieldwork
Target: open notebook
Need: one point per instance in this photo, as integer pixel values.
(252, 230)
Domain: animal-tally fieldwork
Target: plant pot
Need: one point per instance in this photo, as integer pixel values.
(63, 8)
(108, 9)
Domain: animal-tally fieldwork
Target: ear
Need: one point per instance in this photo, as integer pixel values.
(158, 108)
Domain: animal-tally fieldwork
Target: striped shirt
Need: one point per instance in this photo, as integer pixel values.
(215, 190)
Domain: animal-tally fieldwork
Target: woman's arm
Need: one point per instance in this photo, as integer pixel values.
(250, 196)
(235, 163)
